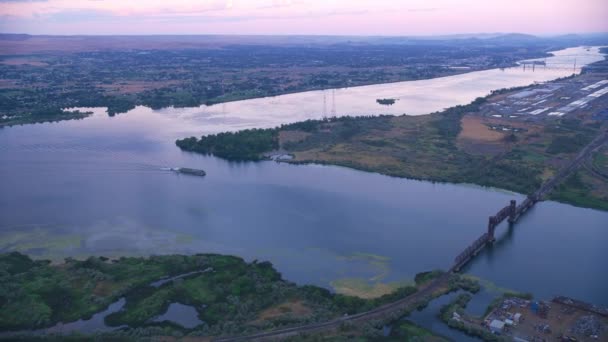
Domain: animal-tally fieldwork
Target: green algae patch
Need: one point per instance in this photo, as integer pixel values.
(39, 241)
(127, 239)
(487, 285)
(378, 263)
(364, 289)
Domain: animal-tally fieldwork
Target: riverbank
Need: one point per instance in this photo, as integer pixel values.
(228, 295)
(43, 116)
(463, 144)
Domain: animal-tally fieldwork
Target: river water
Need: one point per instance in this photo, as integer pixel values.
(97, 186)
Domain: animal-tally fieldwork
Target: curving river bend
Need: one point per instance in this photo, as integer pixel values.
(96, 186)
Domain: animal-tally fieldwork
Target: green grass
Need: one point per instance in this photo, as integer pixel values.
(36, 294)
(600, 159)
(409, 331)
(576, 191)
(425, 277)
(568, 144)
(232, 293)
(580, 198)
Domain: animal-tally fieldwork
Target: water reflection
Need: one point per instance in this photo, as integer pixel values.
(94, 324)
(429, 318)
(183, 315)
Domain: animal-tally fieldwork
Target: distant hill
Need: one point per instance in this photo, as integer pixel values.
(15, 37)
(515, 37)
(24, 43)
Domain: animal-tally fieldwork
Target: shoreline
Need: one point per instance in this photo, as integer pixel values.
(278, 150)
(24, 120)
(27, 119)
(148, 278)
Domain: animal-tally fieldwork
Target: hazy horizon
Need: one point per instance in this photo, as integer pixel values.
(298, 17)
(464, 35)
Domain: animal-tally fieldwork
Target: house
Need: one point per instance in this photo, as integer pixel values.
(497, 326)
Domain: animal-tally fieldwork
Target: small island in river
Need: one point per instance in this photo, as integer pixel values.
(386, 102)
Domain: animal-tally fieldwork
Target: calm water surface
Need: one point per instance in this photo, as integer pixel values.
(429, 319)
(183, 315)
(96, 186)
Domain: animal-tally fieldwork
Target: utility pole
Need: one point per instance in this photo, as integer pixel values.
(324, 105)
(333, 102)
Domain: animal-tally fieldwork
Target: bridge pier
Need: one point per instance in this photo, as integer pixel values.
(491, 228)
(512, 211)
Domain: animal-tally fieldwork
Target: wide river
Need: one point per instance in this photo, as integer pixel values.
(97, 186)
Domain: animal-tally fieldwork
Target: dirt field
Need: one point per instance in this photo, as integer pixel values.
(362, 289)
(294, 308)
(477, 138)
(475, 128)
(134, 87)
(292, 136)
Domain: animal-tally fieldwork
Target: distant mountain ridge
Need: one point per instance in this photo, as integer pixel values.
(25, 43)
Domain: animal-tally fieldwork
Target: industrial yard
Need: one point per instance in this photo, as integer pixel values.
(561, 319)
(570, 96)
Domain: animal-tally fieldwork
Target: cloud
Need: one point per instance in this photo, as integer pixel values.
(431, 9)
(79, 15)
(298, 16)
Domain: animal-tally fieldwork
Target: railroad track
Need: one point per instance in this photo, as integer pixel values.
(566, 171)
(364, 316)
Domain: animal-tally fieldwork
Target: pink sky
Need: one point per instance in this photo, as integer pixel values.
(332, 17)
